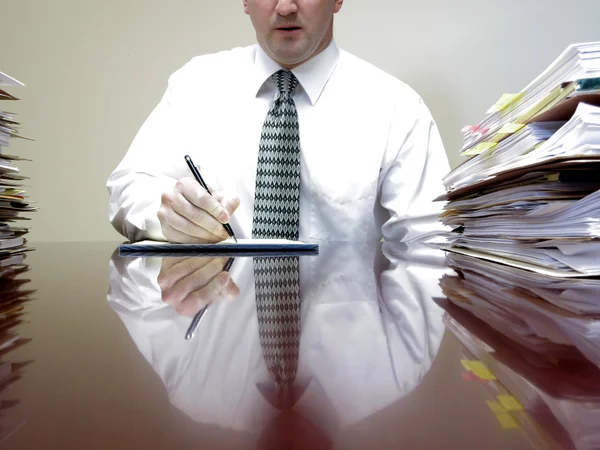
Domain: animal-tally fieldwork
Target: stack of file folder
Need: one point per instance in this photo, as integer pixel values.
(529, 193)
(534, 342)
(13, 198)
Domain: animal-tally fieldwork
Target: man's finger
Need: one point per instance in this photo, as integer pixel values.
(194, 281)
(229, 203)
(201, 277)
(196, 233)
(168, 262)
(176, 202)
(173, 235)
(230, 291)
(220, 286)
(198, 196)
(175, 269)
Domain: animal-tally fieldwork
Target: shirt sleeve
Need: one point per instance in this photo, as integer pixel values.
(146, 172)
(411, 177)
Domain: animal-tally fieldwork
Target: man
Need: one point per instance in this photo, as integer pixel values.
(307, 137)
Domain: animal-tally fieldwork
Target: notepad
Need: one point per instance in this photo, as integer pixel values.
(228, 247)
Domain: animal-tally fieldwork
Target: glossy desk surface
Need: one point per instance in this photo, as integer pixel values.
(107, 365)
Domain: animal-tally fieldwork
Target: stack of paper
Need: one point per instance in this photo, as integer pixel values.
(13, 198)
(574, 74)
(529, 194)
(539, 337)
(13, 286)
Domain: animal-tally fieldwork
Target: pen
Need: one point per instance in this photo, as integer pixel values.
(198, 317)
(199, 179)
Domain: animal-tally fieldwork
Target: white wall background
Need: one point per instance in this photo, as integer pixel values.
(95, 70)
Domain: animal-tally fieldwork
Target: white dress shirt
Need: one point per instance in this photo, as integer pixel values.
(372, 159)
(368, 336)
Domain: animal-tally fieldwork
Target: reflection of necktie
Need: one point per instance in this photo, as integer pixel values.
(277, 216)
(278, 312)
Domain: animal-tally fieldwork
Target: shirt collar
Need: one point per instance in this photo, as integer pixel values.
(312, 75)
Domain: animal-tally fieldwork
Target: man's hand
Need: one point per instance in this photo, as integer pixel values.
(189, 214)
(192, 283)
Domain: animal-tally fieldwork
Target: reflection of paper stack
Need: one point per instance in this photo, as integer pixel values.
(13, 297)
(530, 193)
(525, 329)
(13, 199)
(530, 308)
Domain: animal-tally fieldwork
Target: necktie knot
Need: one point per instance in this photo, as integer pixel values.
(286, 82)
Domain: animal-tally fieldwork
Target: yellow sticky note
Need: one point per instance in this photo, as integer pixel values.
(495, 407)
(507, 421)
(504, 102)
(510, 403)
(480, 148)
(466, 363)
(553, 177)
(479, 369)
(510, 128)
(488, 155)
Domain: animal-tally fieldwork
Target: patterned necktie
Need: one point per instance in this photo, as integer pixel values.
(277, 195)
(277, 216)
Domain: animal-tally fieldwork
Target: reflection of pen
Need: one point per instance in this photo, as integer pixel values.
(199, 179)
(198, 317)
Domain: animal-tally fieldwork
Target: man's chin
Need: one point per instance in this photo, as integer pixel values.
(288, 51)
(289, 59)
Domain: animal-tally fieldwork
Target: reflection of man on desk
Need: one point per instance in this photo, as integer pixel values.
(307, 138)
(367, 339)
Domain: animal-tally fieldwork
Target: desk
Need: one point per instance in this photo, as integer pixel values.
(382, 372)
